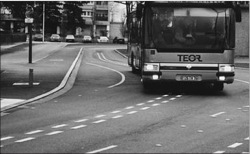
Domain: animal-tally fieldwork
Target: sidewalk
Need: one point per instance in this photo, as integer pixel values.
(22, 83)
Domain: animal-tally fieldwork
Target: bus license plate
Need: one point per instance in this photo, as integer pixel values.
(188, 78)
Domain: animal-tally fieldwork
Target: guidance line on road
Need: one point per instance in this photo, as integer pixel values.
(241, 81)
(103, 149)
(122, 75)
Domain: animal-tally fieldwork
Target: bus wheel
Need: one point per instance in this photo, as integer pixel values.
(218, 86)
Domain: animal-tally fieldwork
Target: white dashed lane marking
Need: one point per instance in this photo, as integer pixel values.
(235, 145)
(6, 138)
(151, 101)
(59, 126)
(217, 152)
(156, 104)
(172, 98)
(140, 104)
(54, 133)
(34, 132)
(144, 108)
(77, 127)
(131, 112)
(81, 120)
(118, 116)
(130, 107)
(99, 121)
(25, 139)
(115, 111)
(103, 149)
(164, 102)
(217, 114)
(94, 122)
(99, 116)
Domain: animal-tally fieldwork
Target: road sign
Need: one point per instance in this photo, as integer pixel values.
(29, 20)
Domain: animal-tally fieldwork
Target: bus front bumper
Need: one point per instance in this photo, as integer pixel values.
(189, 76)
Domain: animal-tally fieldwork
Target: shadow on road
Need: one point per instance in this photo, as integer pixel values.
(183, 88)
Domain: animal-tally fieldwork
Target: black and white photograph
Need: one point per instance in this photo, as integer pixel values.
(124, 76)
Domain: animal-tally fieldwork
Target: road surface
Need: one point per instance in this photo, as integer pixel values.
(107, 110)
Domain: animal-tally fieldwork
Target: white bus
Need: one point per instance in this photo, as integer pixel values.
(183, 41)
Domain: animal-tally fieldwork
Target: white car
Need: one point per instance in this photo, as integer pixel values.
(103, 39)
(70, 38)
(87, 38)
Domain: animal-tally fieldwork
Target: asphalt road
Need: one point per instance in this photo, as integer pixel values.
(108, 111)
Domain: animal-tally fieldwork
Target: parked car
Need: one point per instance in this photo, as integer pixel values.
(103, 39)
(70, 38)
(55, 38)
(38, 37)
(86, 39)
(119, 40)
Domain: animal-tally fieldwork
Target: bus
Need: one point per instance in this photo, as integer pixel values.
(189, 41)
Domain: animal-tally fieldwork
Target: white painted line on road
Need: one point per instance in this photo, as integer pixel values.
(56, 60)
(81, 120)
(25, 139)
(34, 132)
(59, 126)
(156, 104)
(115, 111)
(55, 132)
(6, 138)
(217, 114)
(242, 81)
(140, 104)
(119, 116)
(77, 127)
(164, 101)
(99, 121)
(122, 75)
(158, 98)
(178, 96)
(144, 108)
(247, 106)
(130, 107)
(99, 116)
(220, 152)
(103, 149)
(131, 112)
(235, 145)
(150, 101)
(110, 61)
(172, 98)
(245, 152)
(246, 139)
(164, 95)
(25, 84)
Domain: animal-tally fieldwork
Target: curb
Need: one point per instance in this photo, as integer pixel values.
(60, 87)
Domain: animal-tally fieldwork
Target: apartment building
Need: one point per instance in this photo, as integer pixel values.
(96, 15)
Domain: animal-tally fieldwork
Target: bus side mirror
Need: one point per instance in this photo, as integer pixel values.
(139, 11)
(238, 13)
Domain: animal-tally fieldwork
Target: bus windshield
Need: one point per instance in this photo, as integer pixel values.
(187, 29)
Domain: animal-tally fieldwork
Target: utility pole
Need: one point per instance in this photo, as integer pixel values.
(43, 20)
(94, 20)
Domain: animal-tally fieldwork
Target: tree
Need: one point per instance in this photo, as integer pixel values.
(74, 15)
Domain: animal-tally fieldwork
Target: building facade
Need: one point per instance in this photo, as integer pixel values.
(96, 15)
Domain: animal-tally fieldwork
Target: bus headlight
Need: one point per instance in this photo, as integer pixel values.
(151, 67)
(226, 68)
